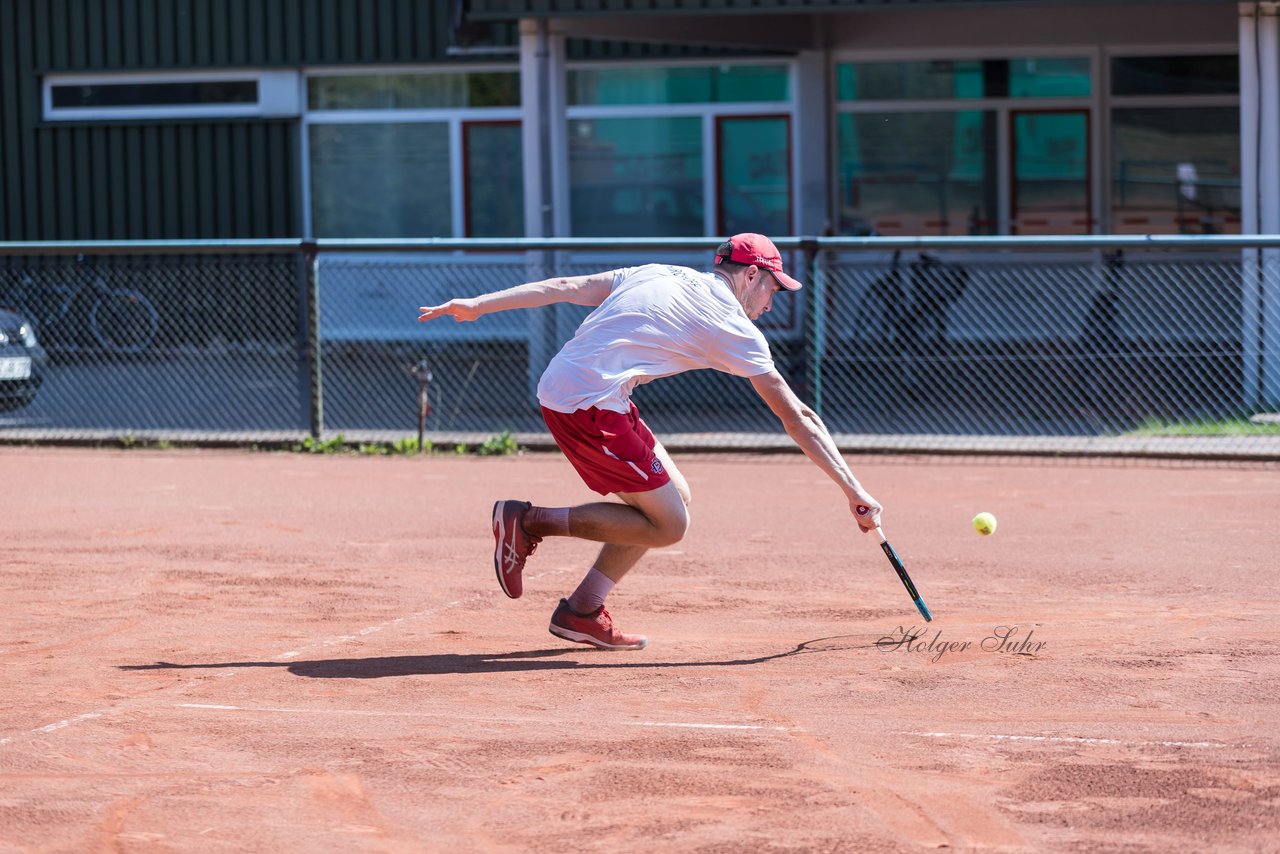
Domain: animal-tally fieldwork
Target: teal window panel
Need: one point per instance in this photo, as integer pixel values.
(640, 176)
(917, 173)
(755, 175)
(1067, 77)
(901, 81)
(936, 80)
(678, 85)
(1051, 172)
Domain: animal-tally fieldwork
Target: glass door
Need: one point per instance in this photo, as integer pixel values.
(754, 175)
(1050, 190)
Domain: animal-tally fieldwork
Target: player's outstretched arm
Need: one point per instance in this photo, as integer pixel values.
(808, 432)
(588, 290)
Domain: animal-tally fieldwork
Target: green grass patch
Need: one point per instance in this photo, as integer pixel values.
(498, 446)
(1240, 426)
(311, 445)
(408, 446)
(501, 445)
(131, 442)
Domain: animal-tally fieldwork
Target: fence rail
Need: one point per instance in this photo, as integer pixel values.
(1078, 345)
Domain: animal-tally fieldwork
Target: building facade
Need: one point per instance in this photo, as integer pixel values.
(136, 119)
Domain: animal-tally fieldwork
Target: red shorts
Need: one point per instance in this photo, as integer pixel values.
(612, 451)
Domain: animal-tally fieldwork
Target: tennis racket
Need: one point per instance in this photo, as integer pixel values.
(896, 563)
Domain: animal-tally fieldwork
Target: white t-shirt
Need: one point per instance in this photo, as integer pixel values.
(659, 320)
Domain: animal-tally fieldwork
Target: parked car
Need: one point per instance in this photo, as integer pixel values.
(22, 361)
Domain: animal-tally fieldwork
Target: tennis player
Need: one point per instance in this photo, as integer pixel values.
(649, 322)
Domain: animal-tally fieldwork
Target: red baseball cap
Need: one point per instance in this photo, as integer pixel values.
(750, 248)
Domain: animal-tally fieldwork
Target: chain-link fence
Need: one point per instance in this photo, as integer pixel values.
(1069, 344)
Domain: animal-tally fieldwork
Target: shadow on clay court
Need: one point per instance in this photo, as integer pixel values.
(503, 662)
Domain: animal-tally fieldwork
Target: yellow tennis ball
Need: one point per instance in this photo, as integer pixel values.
(984, 524)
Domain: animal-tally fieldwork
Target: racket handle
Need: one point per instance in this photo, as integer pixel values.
(864, 510)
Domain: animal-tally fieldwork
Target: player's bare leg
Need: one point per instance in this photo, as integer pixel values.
(648, 519)
(616, 558)
(655, 518)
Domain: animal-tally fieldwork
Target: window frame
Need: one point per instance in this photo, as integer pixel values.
(279, 95)
(1111, 103)
(453, 117)
(709, 113)
(1003, 107)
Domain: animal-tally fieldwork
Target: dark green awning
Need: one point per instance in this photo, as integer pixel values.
(506, 10)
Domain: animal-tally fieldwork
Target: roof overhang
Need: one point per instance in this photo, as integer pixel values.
(785, 25)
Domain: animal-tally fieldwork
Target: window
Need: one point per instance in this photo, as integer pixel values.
(679, 85)
(91, 95)
(1051, 172)
(1051, 77)
(916, 173)
(755, 188)
(494, 179)
(636, 177)
(413, 91)
(680, 150)
(1175, 144)
(1176, 170)
(179, 95)
(899, 81)
(380, 180)
(415, 154)
(945, 79)
(964, 146)
(1175, 75)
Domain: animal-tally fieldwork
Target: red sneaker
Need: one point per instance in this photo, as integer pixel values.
(512, 545)
(596, 629)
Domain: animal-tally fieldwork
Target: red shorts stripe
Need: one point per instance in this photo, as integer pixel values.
(612, 451)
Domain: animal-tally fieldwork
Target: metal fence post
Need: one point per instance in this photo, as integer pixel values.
(309, 294)
(1252, 328)
(1269, 319)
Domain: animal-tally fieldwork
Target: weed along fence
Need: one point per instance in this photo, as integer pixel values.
(1038, 345)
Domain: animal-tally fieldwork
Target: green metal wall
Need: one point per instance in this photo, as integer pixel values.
(177, 179)
(207, 178)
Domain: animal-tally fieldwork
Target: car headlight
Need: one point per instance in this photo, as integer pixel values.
(27, 334)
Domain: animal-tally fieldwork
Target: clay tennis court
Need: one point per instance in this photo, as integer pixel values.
(221, 650)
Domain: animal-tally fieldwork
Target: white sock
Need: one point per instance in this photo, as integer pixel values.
(591, 593)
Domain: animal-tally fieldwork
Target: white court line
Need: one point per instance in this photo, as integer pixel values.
(427, 612)
(368, 630)
(710, 726)
(382, 713)
(1067, 739)
(58, 725)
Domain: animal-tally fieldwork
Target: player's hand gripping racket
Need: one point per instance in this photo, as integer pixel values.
(901, 570)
